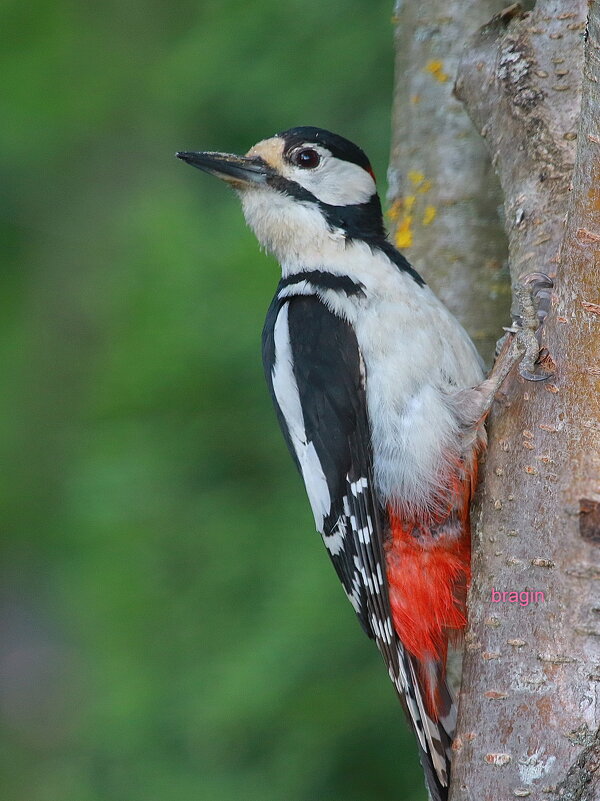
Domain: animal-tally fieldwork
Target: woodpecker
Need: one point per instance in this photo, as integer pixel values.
(381, 398)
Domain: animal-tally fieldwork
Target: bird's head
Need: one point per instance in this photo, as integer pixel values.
(301, 190)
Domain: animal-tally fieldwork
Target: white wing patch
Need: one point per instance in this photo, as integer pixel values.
(359, 486)
(286, 392)
(335, 541)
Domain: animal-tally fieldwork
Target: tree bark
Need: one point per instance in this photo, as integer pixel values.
(443, 191)
(529, 706)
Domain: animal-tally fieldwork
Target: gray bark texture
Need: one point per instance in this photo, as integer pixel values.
(529, 706)
(530, 81)
(443, 192)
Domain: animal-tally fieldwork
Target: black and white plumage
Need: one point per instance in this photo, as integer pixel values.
(316, 376)
(370, 378)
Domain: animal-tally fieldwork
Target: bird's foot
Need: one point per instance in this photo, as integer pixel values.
(519, 344)
(533, 294)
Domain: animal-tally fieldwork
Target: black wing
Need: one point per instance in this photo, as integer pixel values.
(316, 376)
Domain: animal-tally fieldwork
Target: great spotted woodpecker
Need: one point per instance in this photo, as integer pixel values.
(381, 398)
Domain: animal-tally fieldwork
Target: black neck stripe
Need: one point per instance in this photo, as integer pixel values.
(363, 221)
(358, 221)
(324, 280)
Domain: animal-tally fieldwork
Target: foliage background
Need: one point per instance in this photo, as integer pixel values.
(170, 625)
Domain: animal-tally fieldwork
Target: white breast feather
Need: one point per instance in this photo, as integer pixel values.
(415, 352)
(417, 356)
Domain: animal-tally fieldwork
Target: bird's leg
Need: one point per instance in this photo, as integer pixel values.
(533, 295)
(520, 343)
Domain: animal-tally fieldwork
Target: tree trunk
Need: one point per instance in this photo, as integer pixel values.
(529, 710)
(443, 192)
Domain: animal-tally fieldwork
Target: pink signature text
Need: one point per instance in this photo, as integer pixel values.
(522, 597)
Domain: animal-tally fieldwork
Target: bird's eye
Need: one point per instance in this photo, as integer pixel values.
(307, 158)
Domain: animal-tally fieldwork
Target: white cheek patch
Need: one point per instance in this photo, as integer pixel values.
(335, 182)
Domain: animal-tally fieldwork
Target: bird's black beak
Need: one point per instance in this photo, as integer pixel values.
(236, 170)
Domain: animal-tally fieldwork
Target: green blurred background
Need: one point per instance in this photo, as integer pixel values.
(171, 629)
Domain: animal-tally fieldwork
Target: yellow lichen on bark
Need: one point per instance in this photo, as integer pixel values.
(408, 208)
(435, 67)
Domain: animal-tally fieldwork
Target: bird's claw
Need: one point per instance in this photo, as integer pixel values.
(527, 342)
(533, 376)
(534, 294)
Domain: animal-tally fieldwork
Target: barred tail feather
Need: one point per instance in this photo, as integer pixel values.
(438, 732)
(434, 734)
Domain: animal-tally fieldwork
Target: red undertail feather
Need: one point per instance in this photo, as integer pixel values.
(428, 570)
